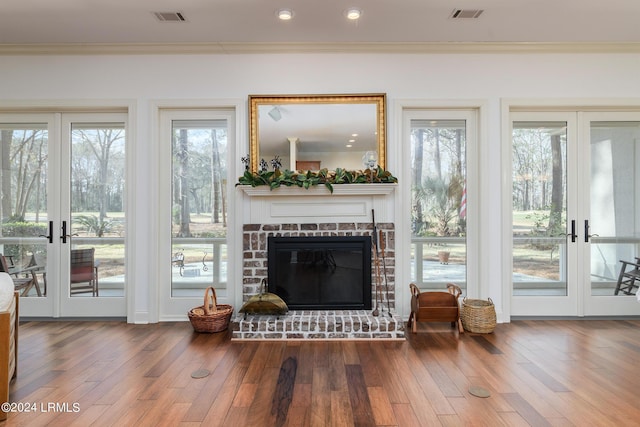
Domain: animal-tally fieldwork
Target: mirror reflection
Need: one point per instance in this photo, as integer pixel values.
(315, 132)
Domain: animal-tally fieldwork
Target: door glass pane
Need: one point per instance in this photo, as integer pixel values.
(539, 208)
(23, 209)
(199, 211)
(438, 203)
(97, 194)
(614, 207)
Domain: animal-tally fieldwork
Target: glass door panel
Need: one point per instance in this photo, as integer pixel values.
(25, 226)
(92, 205)
(539, 169)
(97, 194)
(545, 227)
(199, 207)
(612, 232)
(438, 201)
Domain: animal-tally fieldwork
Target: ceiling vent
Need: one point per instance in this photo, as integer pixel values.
(170, 16)
(466, 13)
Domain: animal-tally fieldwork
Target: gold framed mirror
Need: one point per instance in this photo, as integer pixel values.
(309, 132)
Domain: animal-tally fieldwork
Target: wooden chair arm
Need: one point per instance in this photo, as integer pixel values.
(17, 271)
(454, 290)
(414, 290)
(625, 263)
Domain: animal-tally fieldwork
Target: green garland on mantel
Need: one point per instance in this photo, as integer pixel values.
(278, 178)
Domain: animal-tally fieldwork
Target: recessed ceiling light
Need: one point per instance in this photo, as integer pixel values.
(348, 145)
(284, 14)
(353, 13)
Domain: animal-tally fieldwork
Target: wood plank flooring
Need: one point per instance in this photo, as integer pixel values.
(539, 373)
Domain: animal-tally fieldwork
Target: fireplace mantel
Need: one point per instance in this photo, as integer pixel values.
(321, 190)
(347, 203)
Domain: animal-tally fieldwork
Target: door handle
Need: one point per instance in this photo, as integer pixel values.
(586, 231)
(63, 234)
(573, 234)
(50, 236)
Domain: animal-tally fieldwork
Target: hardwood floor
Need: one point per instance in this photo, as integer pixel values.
(539, 373)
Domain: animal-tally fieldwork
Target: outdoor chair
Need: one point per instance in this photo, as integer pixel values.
(178, 260)
(39, 265)
(84, 272)
(629, 277)
(23, 278)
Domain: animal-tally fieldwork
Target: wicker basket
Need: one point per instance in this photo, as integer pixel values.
(211, 316)
(478, 316)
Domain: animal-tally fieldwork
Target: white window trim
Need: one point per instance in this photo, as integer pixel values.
(234, 110)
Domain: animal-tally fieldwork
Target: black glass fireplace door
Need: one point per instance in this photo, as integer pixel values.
(321, 272)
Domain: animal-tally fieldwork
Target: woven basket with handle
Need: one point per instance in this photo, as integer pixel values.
(211, 316)
(478, 316)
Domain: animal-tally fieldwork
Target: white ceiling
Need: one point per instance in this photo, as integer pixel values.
(317, 21)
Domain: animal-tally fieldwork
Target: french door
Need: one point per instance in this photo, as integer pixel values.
(63, 216)
(611, 226)
(576, 195)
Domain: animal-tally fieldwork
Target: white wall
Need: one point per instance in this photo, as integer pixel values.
(144, 80)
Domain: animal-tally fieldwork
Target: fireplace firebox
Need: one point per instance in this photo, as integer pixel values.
(321, 272)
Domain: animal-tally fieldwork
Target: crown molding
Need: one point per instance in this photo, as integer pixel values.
(273, 48)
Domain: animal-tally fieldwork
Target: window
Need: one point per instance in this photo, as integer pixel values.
(199, 206)
(438, 201)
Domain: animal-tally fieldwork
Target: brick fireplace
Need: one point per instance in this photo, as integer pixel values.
(294, 212)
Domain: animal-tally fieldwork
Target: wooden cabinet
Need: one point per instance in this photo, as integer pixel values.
(308, 165)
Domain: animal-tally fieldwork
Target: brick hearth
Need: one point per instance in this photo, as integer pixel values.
(318, 324)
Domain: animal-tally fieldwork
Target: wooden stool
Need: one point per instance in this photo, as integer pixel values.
(435, 306)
